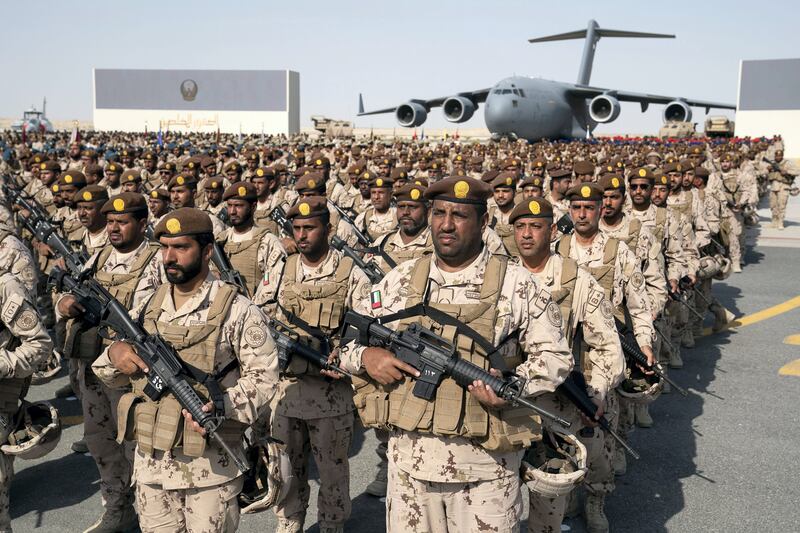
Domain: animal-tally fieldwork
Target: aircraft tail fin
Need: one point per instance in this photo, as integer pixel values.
(360, 104)
(592, 34)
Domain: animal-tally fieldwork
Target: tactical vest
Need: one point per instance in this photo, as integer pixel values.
(244, 258)
(604, 274)
(315, 308)
(401, 255)
(634, 231)
(733, 191)
(565, 295)
(684, 208)
(261, 218)
(505, 232)
(82, 343)
(454, 412)
(159, 425)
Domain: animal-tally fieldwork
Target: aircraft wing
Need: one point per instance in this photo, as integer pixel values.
(644, 99)
(478, 97)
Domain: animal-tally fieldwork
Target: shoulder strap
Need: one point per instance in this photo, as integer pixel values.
(564, 243)
(610, 251)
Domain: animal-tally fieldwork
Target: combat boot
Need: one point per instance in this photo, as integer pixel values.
(687, 341)
(675, 360)
(80, 446)
(642, 413)
(293, 524)
(377, 487)
(65, 391)
(620, 463)
(573, 504)
(737, 268)
(596, 521)
(115, 520)
(720, 318)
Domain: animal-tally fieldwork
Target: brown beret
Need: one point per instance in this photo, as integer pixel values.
(116, 168)
(366, 175)
(233, 165)
(381, 183)
(612, 182)
(585, 191)
(265, 172)
(673, 166)
(168, 166)
(398, 173)
(642, 173)
(582, 167)
(411, 192)
(538, 163)
(93, 169)
(562, 173)
(661, 179)
(533, 208)
(181, 180)
(313, 206)
(302, 171)
(52, 166)
(131, 175)
(216, 182)
(463, 190)
(160, 194)
(148, 155)
(532, 181)
(184, 221)
(38, 158)
(420, 181)
(319, 162)
(192, 163)
(313, 181)
(242, 190)
(89, 153)
(489, 176)
(72, 177)
(505, 179)
(91, 193)
(126, 202)
(701, 172)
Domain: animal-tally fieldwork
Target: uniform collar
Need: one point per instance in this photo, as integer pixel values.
(469, 275)
(204, 293)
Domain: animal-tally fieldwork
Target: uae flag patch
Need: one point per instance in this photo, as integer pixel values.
(266, 278)
(375, 299)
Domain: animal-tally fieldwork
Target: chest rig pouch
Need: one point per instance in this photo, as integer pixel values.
(315, 308)
(159, 425)
(244, 258)
(84, 343)
(396, 255)
(454, 412)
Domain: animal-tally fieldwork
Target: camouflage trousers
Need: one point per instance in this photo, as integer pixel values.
(732, 227)
(419, 506)
(199, 510)
(778, 198)
(6, 476)
(114, 461)
(701, 305)
(328, 441)
(600, 448)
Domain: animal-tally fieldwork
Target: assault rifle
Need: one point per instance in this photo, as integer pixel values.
(435, 358)
(278, 215)
(632, 350)
(565, 225)
(681, 299)
(227, 273)
(288, 345)
(167, 373)
(363, 239)
(373, 271)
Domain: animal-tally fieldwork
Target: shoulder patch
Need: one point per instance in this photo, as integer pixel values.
(637, 280)
(595, 298)
(26, 320)
(554, 314)
(540, 301)
(606, 309)
(255, 336)
(12, 307)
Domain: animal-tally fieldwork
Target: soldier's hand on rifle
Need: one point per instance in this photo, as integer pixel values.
(651, 360)
(333, 359)
(207, 408)
(484, 394)
(601, 410)
(125, 359)
(673, 286)
(289, 245)
(69, 307)
(384, 367)
(692, 279)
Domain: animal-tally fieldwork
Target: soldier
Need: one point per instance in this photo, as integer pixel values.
(504, 187)
(182, 194)
(131, 181)
(271, 194)
(583, 304)
(184, 482)
(158, 203)
(559, 185)
(781, 178)
(111, 181)
(617, 270)
(130, 269)
(25, 345)
(214, 189)
(380, 217)
(252, 250)
(150, 177)
(737, 194)
(310, 291)
(88, 203)
(448, 472)
(532, 188)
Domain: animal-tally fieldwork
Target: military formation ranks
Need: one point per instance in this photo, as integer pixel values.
(466, 301)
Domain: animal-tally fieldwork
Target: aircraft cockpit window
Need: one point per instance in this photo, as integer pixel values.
(497, 91)
(521, 92)
(515, 91)
(506, 91)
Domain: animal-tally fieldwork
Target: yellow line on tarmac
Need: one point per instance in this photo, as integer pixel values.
(793, 368)
(758, 316)
(792, 339)
(72, 420)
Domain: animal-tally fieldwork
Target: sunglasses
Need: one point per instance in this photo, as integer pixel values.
(635, 186)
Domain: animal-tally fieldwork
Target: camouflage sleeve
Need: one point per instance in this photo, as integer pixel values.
(270, 252)
(358, 288)
(673, 252)
(258, 362)
(537, 318)
(17, 259)
(605, 352)
(60, 297)
(102, 366)
(654, 277)
(152, 278)
(266, 296)
(712, 210)
(636, 301)
(493, 242)
(701, 231)
(19, 315)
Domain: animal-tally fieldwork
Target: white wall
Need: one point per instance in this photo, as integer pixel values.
(133, 120)
(785, 123)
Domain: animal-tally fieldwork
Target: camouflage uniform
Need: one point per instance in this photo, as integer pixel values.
(254, 267)
(20, 322)
(582, 302)
(313, 413)
(374, 224)
(780, 182)
(188, 483)
(439, 483)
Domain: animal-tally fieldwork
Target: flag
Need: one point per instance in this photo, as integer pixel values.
(75, 136)
(160, 136)
(217, 134)
(422, 134)
(375, 299)
(414, 137)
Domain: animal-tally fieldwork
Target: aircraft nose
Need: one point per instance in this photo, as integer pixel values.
(500, 113)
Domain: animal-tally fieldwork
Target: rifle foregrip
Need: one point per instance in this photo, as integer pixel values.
(191, 401)
(464, 373)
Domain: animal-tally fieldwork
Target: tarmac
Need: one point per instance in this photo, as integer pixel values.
(725, 458)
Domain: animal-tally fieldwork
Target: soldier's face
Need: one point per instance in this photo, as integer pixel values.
(47, 176)
(561, 186)
(531, 191)
(504, 196)
(183, 258)
(125, 232)
(778, 157)
(456, 230)
(640, 191)
(380, 198)
(150, 164)
(240, 212)
(74, 150)
(612, 203)
(675, 180)
(725, 165)
(363, 188)
(585, 215)
(90, 216)
(411, 216)
(113, 178)
(699, 182)
(311, 236)
(214, 196)
(181, 196)
(157, 206)
(260, 183)
(533, 236)
(130, 186)
(688, 179)
(660, 195)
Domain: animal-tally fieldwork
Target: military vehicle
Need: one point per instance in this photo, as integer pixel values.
(719, 126)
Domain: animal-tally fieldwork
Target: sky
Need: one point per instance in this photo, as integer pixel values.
(390, 51)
